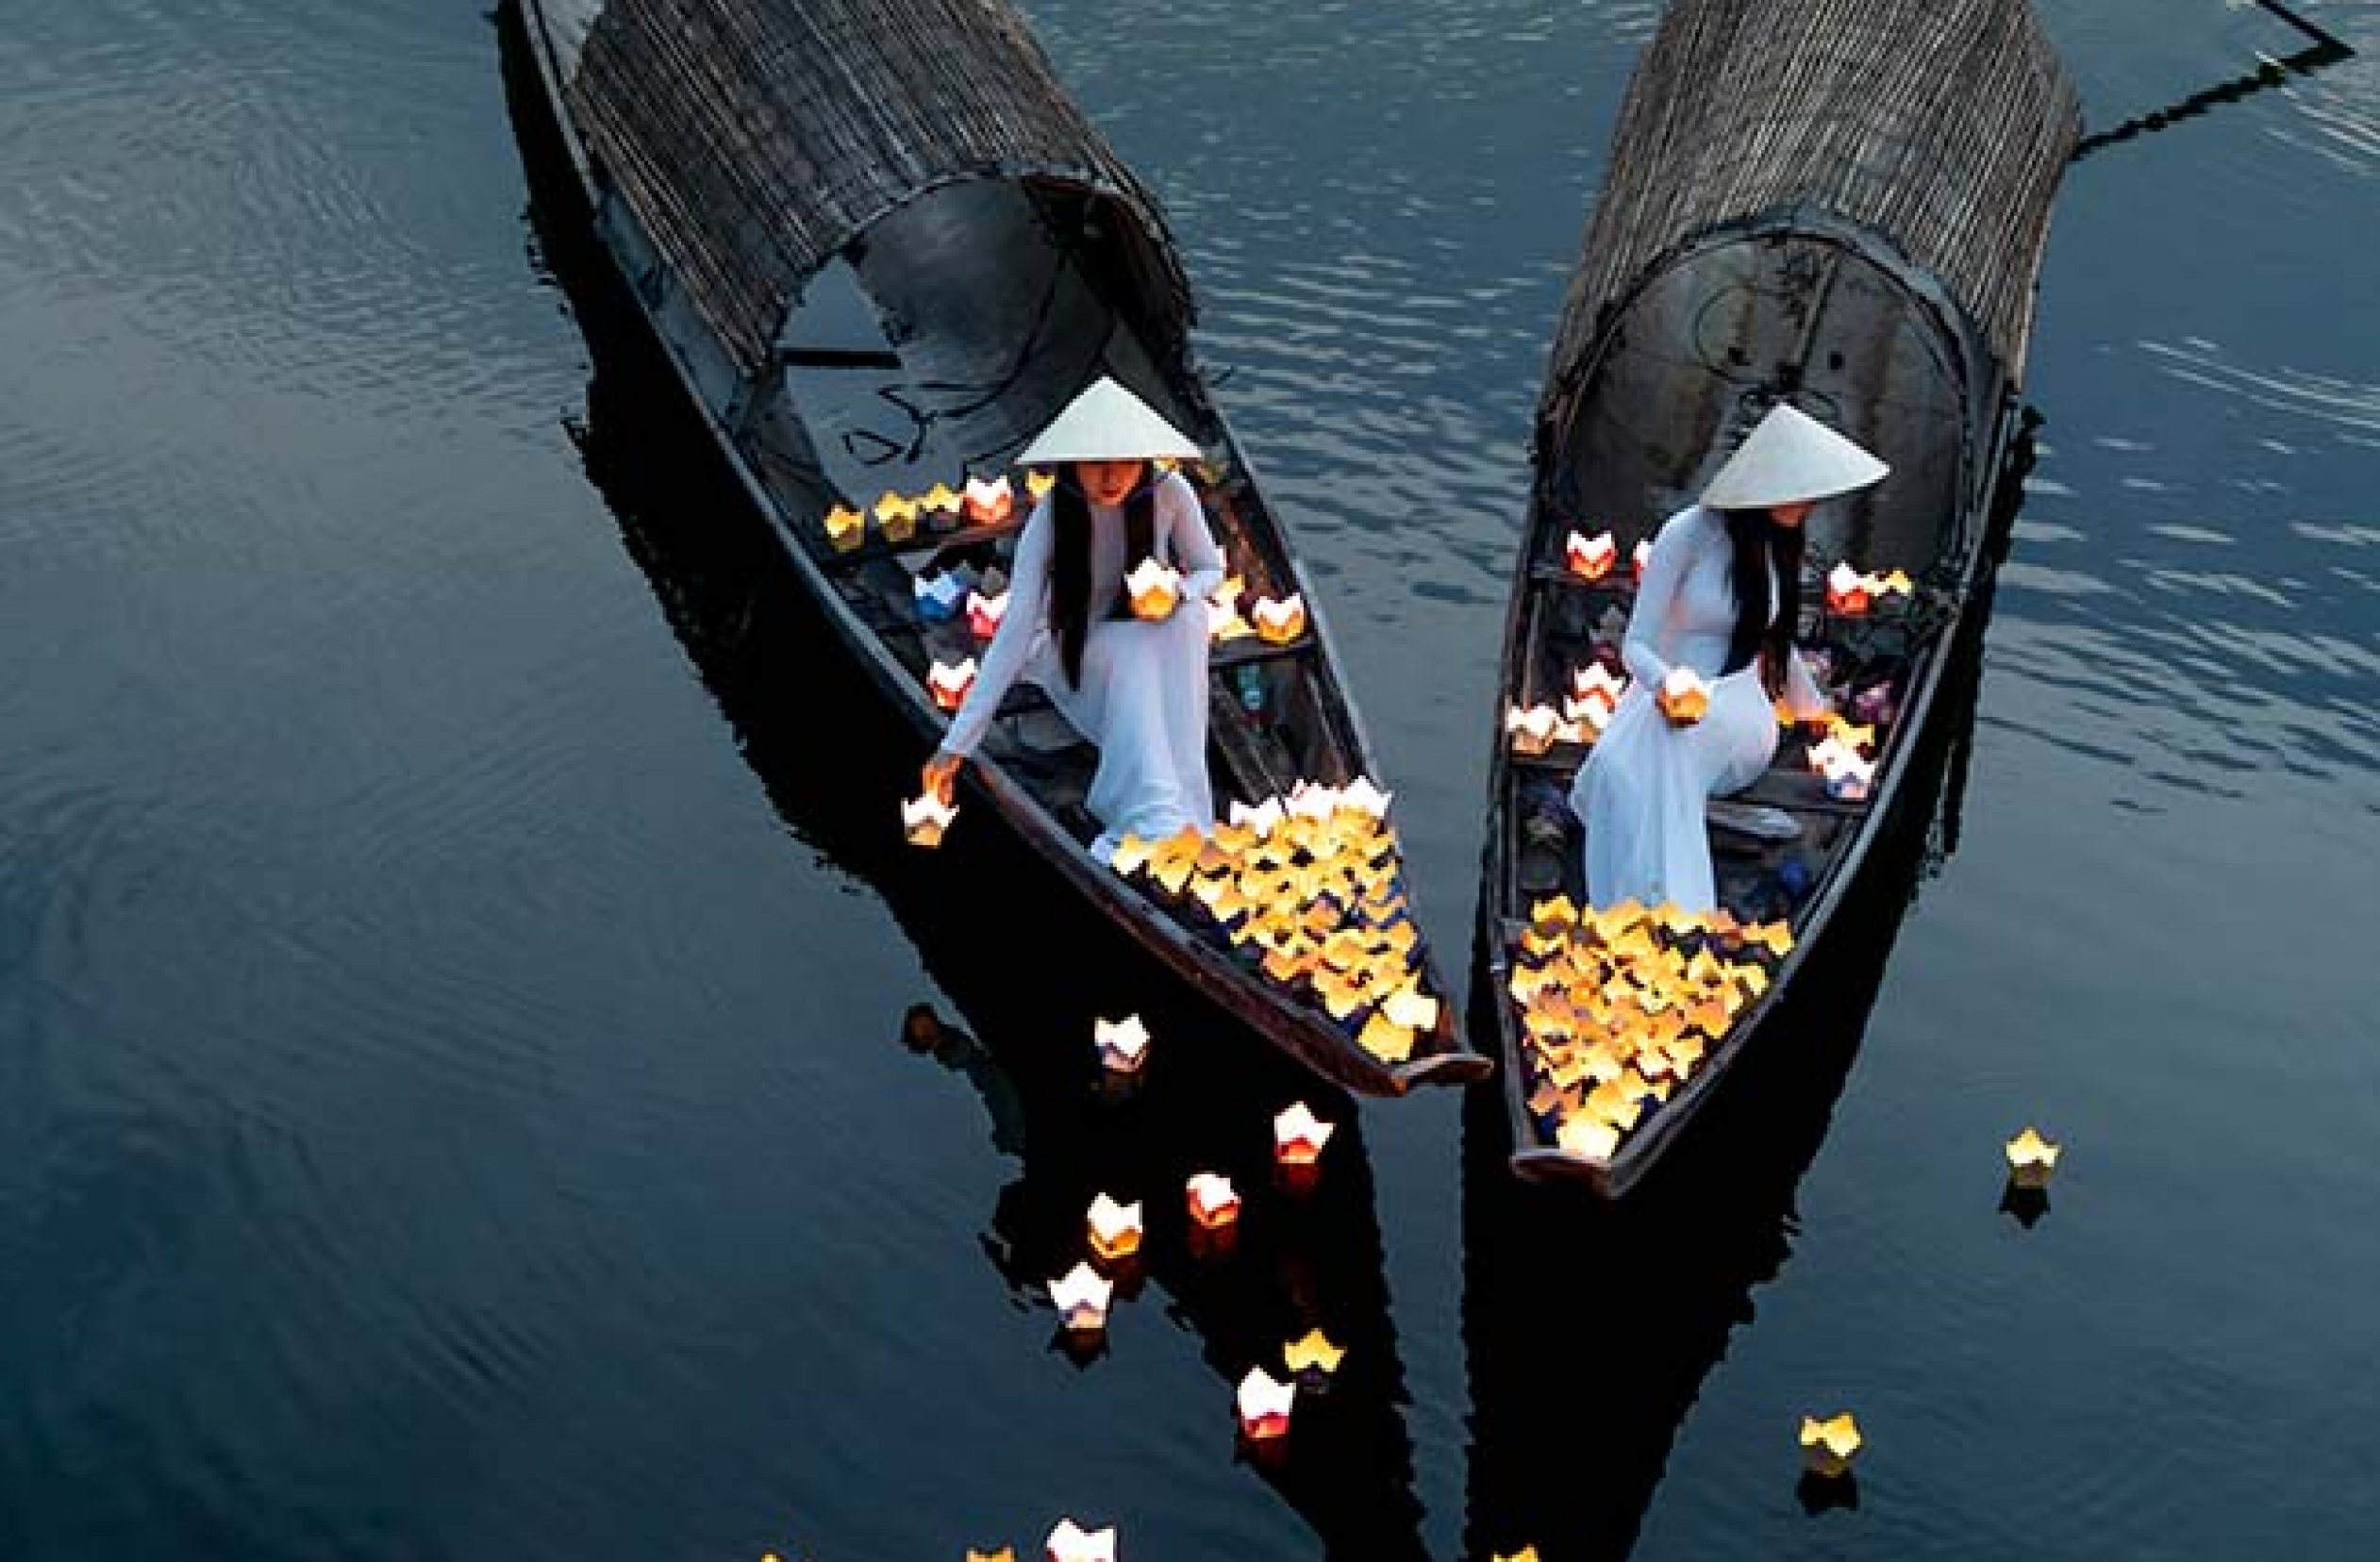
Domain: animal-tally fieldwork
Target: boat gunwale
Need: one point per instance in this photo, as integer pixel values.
(1989, 415)
(1286, 1023)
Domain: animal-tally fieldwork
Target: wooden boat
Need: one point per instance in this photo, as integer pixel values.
(880, 249)
(1857, 230)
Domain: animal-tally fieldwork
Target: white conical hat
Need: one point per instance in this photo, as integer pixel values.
(1789, 459)
(1109, 423)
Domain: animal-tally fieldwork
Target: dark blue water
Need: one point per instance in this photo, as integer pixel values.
(452, 966)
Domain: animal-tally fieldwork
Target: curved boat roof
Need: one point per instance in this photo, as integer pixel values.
(1941, 127)
(755, 138)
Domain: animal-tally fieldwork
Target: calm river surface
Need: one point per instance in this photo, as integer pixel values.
(452, 958)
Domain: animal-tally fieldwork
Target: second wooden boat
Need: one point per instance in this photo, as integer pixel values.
(882, 249)
(1837, 206)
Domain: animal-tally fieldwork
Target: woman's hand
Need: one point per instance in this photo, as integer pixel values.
(941, 777)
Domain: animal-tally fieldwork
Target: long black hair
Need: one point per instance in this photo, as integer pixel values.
(1070, 561)
(1760, 546)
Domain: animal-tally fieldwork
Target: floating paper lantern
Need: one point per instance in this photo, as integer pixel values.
(1114, 1229)
(1070, 1542)
(1527, 1553)
(988, 501)
(2031, 1159)
(1298, 1135)
(950, 682)
(1847, 591)
(1683, 697)
(845, 528)
(1264, 1405)
(896, 517)
(1153, 590)
(1081, 1296)
(1590, 558)
(1214, 1203)
(1640, 557)
(1005, 1553)
(1829, 1446)
(925, 819)
(1532, 730)
(1123, 1044)
(984, 614)
(938, 596)
(1279, 623)
(1313, 1356)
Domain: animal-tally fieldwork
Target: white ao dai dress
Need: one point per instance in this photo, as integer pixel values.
(1642, 790)
(1142, 698)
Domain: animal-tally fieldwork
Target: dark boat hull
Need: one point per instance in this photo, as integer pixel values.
(714, 390)
(1853, 341)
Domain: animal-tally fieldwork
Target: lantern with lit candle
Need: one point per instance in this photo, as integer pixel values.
(2031, 1159)
(1298, 1135)
(1038, 483)
(1683, 698)
(925, 819)
(1264, 1405)
(1590, 558)
(1123, 1044)
(987, 500)
(950, 682)
(1847, 590)
(1114, 1229)
(1070, 1542)
(1214, 1203)
(846, 528)
(896, 517)
(1005, 1553)
(1640, 557)
(1081, 1296)
(1313, 1358)
(1829, 1446)
(1279, 623)
(1153, 590)
(986, 613)
(1532, 730)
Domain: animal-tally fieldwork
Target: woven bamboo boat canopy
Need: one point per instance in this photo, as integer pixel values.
(755, 138)
(1941, 127)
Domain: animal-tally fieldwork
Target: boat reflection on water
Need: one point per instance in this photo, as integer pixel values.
(1590, 1326)
(833, 761)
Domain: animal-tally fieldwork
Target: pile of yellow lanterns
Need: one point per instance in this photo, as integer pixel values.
(1310, 889)
(1619, 1008)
